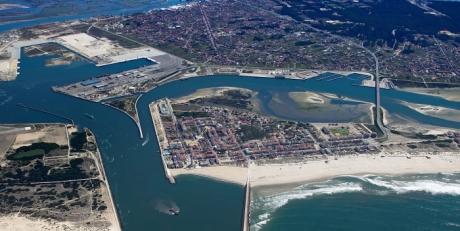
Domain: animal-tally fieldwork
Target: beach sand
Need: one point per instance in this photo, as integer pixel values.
(352, 165)
(21, 223)
(315, 170)
(237, 175)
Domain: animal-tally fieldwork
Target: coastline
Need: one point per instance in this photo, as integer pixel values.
(115, 220)
(322, 169)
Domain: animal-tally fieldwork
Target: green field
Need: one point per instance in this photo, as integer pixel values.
(342, 131)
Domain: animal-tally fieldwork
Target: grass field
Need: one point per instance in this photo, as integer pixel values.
(340, 131)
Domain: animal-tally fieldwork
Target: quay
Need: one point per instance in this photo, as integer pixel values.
(161, 137)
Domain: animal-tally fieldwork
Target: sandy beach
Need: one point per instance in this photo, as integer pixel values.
(237, 175)
(278, 174)
(21, 223)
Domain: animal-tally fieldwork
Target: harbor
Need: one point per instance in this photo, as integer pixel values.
(129, 164)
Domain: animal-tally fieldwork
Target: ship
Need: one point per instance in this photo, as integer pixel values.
(173, 211)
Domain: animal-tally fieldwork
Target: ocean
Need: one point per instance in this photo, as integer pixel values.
(412, 202)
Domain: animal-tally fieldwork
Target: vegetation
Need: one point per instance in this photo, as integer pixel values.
(194, 114)
(231, 98)
(252, 132)
(33, 151)
(77, 140)
(340, 131)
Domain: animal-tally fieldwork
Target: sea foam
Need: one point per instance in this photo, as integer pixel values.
(429, 186)
(273, 202)
(369, 184)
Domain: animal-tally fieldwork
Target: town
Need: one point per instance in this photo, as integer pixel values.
(269, 34)
(192, 136)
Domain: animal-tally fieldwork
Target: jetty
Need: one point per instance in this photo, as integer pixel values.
(247, 206)
(46, 112)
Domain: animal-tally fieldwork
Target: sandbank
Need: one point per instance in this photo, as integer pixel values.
(435, 111)
(451, 94)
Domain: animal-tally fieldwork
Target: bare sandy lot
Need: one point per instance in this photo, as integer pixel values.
(88, 45)
(50, 134)
(104, 51)
(20, 223)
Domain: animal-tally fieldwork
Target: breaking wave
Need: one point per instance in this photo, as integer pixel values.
(262, 207)
(271, 203)
(428, 186)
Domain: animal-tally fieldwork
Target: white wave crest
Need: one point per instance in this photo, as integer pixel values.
(387, 184)
(282, 199)
(452, 224)
(428, 186)
(263, 219)
(271, 203)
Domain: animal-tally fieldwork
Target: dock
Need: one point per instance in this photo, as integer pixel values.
(247, 206)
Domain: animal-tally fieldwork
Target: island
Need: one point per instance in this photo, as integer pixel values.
(220, 136)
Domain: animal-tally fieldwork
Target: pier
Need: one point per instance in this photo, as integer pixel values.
(247, 206)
